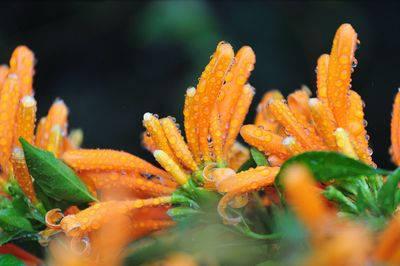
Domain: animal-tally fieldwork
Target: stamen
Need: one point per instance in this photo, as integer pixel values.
(171, 167)
(344, 144)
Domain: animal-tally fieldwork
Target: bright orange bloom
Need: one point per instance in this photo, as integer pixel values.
(340, 66)
(57, 115)
(235, 79)
(207, 91)
(311, 123)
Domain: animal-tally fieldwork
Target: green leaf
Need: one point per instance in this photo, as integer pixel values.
(250, 163)
(326, 166)
(55, 178)
(387, 194)
(11, 221)
(331, 193)
(258, 157)
(10, 260)
(22, 204)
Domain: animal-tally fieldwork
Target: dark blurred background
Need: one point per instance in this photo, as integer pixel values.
(113, 61)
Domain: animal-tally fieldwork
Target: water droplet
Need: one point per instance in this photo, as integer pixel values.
(370, 151)
(365, 123)
(355, 63)
(367, 137)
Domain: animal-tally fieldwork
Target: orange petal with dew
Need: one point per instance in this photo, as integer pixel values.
(109, 160)
(207, 91)
(57, 115)
(241, 109)
(216, 132)
(189, 112)
(307, 138)
(234, 82)
(298, 104)
(22, 63)
(249, 180)
(237, 156)
(148, 143)
(264, 140)
(153, 126)
(177, 143)
(9, 101)
(55, 142)
(264, 118)
(4, 71)
(117, 180)
(26, 119)
(292, 146)
(356, 128)
(322, 77)
(339, 72)
(21, 174)
(240, 184)
(99, 214)
(324, 122)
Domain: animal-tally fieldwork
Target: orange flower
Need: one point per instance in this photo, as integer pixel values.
(332, 121)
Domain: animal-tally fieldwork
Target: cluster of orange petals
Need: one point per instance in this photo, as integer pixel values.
(18, 117)
(333, 121)
(135, 195)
